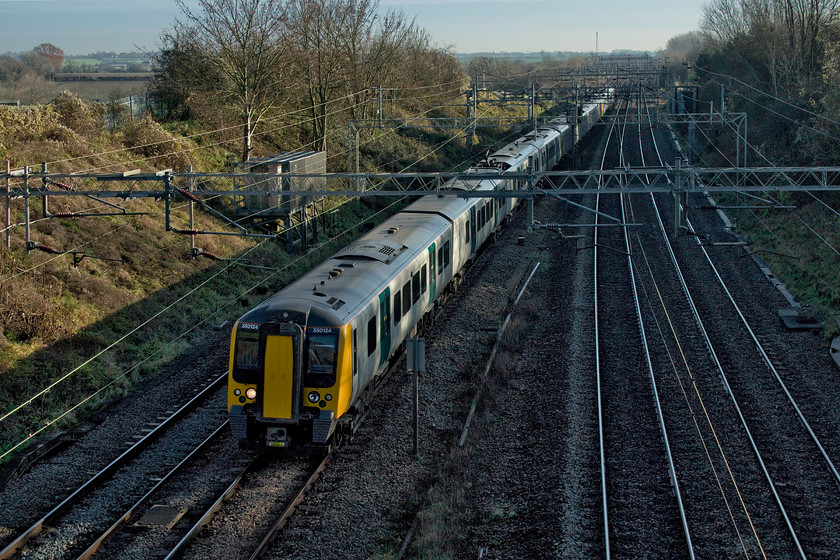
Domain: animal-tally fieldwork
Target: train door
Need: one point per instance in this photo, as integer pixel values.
(279, 395)
(472, 230)
(385, 325)
(432, 274)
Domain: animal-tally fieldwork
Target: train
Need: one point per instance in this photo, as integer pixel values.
(304, 362)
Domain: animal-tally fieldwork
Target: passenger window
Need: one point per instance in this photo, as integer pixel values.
(406, 297)
(397, 308)
(371, 335)
(415, 287)
(423, 279)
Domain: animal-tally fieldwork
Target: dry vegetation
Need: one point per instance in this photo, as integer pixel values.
(55, 316)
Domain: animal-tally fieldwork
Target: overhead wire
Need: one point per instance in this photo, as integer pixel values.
(808, 269)
(72, 372)
(770, 95)
(48, 424)
(55, 257)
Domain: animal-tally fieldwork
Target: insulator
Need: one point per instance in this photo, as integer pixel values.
(187, 231)
(64, 186)
(188, 194)
(211, 256)
(48, 249)
(64, 215)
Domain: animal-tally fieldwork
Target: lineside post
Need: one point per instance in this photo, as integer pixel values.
(167, 185)
(26, 209)
(191, 187)
(678, 185)
(8, 205)
(44, 186)
(415, 364)
(531, 200)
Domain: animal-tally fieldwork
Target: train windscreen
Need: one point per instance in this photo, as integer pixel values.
(246, 362)
(321, 357)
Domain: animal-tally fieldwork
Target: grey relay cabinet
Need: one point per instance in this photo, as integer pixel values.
(275, 205)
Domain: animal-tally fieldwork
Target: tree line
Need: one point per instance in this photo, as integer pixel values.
(249, 61)
(778, 61)
(43, 61)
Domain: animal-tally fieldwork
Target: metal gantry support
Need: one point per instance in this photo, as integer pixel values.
(678, 180)
(625, 179)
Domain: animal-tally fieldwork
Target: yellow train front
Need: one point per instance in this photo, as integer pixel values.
(285, 379)
(303, 361)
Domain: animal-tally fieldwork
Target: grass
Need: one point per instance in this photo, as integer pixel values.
(450, 522)
(55, 317)
(806, 264)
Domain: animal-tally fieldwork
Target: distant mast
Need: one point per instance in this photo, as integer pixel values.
(596, 44)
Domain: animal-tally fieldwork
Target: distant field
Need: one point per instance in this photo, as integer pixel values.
(101, 76)
(81, 61)
(103, 91)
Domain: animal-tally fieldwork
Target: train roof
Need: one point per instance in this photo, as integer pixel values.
(336, 290)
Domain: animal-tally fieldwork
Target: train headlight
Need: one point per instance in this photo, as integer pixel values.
(237, 392)
(313, 396)
(251, 393)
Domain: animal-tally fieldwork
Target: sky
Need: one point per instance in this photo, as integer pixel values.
(86, 26)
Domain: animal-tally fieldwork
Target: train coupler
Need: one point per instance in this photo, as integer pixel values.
(277, 437)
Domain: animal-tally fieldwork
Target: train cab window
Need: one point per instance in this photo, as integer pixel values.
(423, 279)
(320, 360)
(246, 363)
(397, 308)
(406, 297)
(415, 287)
(468, 230)
(371, 336)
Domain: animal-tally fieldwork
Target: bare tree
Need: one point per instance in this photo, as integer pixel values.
(343, 48)
(786, 34)
(316, 24)
(244, 41)
(373, 48)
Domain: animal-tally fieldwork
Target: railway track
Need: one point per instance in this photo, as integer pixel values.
(754, 451)
(638, 481)
(98, 500)
(723, 479)
(753, 482)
